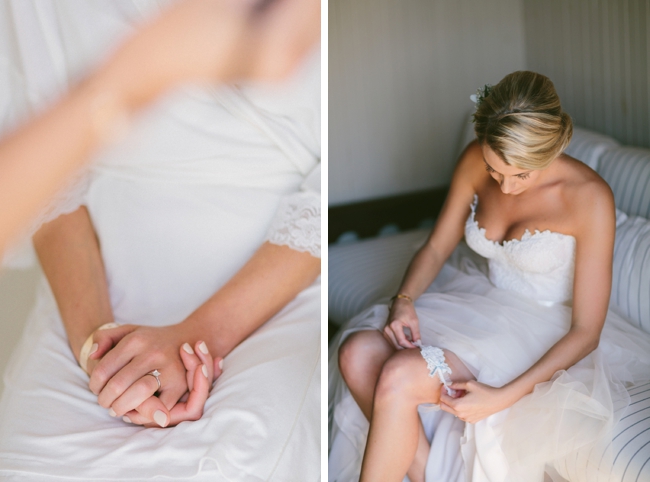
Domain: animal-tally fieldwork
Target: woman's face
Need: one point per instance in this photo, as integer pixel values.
(511, 179)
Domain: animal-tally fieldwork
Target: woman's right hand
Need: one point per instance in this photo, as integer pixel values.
(402, 316)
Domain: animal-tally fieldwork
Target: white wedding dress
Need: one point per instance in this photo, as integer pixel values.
(500, 312)
(198, 183)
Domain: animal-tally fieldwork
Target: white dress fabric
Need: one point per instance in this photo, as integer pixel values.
(197, 184)
(500, 316)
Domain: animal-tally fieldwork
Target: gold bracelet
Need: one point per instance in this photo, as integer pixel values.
(85, 349)
(401, 296)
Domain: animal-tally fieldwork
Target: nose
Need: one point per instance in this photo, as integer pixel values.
(507, 185)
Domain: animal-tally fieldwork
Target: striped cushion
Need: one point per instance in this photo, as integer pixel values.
(362, 273)
(630, 447)
(631, 277)
(632, 441)
(588, 146)
(627, 171)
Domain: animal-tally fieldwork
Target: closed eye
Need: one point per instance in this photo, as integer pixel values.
(490, 169)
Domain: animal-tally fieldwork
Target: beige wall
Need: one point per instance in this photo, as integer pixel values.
(401, 71)
(400, 76)
(596, 52)
(17, 295)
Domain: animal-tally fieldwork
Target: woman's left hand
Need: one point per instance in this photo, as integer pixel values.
(479, 401)
(202, 370)
(126, 360)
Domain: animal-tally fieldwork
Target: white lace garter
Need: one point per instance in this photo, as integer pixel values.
(297, 223)
(437, 365)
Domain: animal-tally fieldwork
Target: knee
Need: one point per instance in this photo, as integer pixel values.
(401, 379)
(351, 356)
(357, 354)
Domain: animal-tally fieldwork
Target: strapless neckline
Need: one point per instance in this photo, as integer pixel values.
(538, 265)
(510, 242)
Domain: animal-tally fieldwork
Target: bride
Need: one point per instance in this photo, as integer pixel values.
(521, 356)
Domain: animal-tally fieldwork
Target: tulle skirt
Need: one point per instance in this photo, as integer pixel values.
(499, 334)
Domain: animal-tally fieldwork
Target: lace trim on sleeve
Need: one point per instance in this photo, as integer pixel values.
(67, 200)
(20, 254)
(297, 223)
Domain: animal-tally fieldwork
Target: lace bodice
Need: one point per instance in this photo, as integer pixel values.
(540, 265)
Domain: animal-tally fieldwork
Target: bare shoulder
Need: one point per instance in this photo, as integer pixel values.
(470, 166)
(589, 196)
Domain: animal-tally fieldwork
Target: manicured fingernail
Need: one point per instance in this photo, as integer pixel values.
(188, 348)
(204, 348)
(112, 413)
(126, 419)
(160, 418)
(221, 364)
(93, 349)
(204, 369)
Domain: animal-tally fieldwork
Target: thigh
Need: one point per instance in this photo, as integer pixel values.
(459, 371)
(406, 372)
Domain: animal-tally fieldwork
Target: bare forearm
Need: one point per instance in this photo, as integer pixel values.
(69, 254)
(569, 350)
(423, 269)
(267, 282)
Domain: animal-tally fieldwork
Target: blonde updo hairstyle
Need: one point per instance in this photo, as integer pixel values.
(522, 121)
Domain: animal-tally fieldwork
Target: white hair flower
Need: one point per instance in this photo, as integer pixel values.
(481, 94)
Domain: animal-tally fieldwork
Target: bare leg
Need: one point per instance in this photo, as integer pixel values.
(393, 437)
(404, 383)
(361, 358)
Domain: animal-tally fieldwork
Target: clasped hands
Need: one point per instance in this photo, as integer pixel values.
(119, 371)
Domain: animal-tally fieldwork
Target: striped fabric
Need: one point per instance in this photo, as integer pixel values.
(632, 442)
(588, 146)
(631, 277)
(627, 171)
(629, 450)
(362, 273)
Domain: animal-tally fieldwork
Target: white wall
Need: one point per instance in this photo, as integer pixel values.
(400, 76)
(597, 53)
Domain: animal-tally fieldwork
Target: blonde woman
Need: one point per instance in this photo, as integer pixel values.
(521, 355)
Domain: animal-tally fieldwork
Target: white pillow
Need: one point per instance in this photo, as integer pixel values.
(631, 277)
(627, 171)
(588, 146)
(362, 273)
